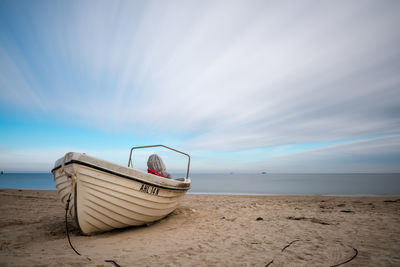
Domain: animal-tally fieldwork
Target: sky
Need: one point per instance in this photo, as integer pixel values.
(240, 85)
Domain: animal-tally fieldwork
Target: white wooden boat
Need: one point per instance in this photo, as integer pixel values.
(106, 195)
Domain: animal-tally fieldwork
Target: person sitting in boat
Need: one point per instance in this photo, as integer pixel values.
(156, 166)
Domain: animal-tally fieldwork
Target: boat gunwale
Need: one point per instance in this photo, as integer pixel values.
(73, 161)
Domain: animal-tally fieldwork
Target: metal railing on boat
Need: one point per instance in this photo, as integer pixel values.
(173, 149)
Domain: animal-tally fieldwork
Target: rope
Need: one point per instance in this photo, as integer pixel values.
(69, 176)
(355, 255)
(72, 176)
(66, 225)
(63, 164)
(116, 264)
(285, 247)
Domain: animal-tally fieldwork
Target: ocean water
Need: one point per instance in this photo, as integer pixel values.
(253, 184)
(43, 181)
(298, 184)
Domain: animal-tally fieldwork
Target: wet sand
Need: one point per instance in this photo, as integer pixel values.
(210, 230)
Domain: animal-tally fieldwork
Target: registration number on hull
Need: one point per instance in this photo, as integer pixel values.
(152, 190)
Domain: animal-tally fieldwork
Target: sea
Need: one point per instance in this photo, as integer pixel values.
(344, 184)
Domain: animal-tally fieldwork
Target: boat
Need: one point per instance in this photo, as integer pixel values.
(103, 195)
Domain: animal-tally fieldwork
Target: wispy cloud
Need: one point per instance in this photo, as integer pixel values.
(371, 155)
(209, 75)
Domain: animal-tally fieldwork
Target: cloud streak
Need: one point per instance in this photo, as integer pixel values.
(214, 75)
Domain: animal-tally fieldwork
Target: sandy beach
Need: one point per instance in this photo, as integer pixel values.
(210, 230)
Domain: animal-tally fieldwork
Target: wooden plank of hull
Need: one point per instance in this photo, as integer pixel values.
(106, 201)
(114, 181)
(130, 198)
(124, 208)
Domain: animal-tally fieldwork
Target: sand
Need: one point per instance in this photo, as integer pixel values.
(210, 230)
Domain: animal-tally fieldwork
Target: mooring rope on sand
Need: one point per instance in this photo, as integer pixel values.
(69, 240)
(66, 225)
(355, 255)
(290, 243)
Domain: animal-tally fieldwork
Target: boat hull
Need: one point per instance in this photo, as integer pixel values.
(102, 200)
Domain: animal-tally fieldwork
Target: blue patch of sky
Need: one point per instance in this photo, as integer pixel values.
(20, 128)
(27, 32)
(29, 132)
